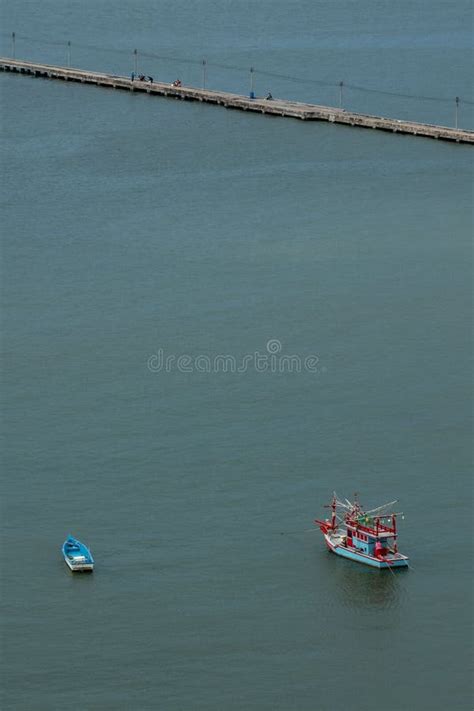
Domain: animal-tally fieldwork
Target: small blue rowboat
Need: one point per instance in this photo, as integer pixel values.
(77, 556)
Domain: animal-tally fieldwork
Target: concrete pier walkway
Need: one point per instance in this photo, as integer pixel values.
(274, 107)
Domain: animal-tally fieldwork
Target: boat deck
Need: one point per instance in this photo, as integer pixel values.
(336, 543)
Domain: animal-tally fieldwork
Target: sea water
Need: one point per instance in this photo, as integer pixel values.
(212, 320)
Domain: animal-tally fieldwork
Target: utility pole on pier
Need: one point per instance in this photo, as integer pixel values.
(252, 92)
(135, 63)
(204, 73)
(341, 84)
(13, 44)
(69, 53)
(457, 110)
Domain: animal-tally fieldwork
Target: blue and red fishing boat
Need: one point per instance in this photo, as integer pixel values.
(368, 537)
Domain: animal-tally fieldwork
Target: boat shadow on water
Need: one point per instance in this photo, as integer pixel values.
(78, 575)
(368, 588)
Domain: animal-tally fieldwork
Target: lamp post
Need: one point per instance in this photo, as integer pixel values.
(69, 53)
(341, 85)
(457, 111)
(13, 44)
(204, 73)
(252, 92)
(135, 60)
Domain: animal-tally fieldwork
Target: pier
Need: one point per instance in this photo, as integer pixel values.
(271, 107)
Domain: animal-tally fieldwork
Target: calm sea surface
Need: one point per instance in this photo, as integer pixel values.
(136, 228)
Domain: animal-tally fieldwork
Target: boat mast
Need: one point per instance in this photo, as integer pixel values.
(333, 515)
(394, 526)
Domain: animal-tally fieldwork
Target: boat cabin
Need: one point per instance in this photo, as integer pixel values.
(372, 536)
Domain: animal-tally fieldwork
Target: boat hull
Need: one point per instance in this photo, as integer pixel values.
(79, 567)
(397, 561)
(77, 556)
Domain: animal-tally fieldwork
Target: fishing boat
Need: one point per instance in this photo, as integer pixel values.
(368, 537)
(77, 556)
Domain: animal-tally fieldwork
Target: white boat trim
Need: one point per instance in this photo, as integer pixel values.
(335, 544)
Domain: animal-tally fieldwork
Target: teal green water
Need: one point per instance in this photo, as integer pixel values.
(133, 224)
